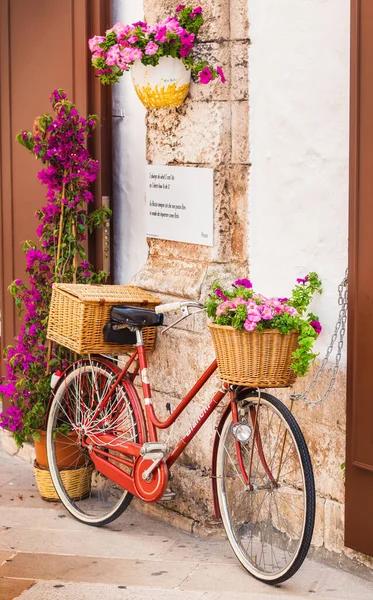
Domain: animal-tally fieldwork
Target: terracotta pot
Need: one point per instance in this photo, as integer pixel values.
(167, 84)
(68, 452)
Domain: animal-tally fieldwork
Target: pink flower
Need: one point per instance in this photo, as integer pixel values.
(317, 326)
(249, 325)
(126, 55)
(259, 297)
(120, 30)
(266, 312)
(205, 75)
(137, 54)
(161, 35)
(172, 25)
(291, 311)
(94, 42)
(133, 39)
(151, 48)
(224, 307)
(180, 7)
(221, 74)
(113, 55)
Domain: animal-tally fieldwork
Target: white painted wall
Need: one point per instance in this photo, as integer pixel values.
(299, 142)
(130, 247)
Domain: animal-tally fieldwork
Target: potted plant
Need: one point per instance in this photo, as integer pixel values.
(59, 142)
(263, 342)
(160, 57)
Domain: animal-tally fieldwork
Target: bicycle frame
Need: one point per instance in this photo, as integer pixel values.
(153, 423)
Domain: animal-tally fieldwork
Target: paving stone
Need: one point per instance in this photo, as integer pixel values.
(5, 555)
(97, 542)
(91, 570)
(12, 588)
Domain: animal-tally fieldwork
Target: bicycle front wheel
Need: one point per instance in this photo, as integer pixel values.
(266, 489)
(75, 413)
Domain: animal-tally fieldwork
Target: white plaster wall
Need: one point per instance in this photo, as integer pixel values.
(299, 143)
(129, 132)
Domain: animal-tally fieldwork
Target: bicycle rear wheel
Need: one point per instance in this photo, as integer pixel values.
(266, 489)
(74, 409)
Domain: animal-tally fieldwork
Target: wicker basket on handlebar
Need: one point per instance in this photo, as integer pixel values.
(255, 359)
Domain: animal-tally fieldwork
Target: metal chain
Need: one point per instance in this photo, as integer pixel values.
(339, 332)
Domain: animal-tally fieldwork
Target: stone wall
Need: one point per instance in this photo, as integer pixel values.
(211, 130)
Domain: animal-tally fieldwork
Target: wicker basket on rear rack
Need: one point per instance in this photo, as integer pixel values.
(79, 312)
(252, 358)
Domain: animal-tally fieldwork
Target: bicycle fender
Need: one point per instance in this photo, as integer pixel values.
(218, 429)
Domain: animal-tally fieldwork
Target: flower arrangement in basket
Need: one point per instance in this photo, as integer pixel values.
(160, 57)
(263, 342)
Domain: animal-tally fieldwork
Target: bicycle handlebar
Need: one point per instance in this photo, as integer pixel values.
(173, 306)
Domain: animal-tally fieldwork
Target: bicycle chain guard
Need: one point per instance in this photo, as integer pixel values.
(152, 488)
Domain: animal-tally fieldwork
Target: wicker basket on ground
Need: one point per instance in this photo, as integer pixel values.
(255, 359)
(77, 482)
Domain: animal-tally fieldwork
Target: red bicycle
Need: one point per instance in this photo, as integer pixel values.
(262, 479)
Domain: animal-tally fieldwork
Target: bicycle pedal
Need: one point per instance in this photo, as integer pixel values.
(153, 450)
(168, 495)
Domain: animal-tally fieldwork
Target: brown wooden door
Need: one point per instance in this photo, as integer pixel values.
(359, 463)
(43, 46)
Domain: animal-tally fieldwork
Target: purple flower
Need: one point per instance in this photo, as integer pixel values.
(244, 282)
(317, 326)
(304, 280)
(180, 7)
(161, 35)
(205, 75)
(196, 11)
(18, 282)
(186, 38)
(283, 300)
(220, 294)
(221, 74)
(185, 51)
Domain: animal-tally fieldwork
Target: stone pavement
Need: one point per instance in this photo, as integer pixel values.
(47, 555)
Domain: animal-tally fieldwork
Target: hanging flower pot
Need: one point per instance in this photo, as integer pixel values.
(166, 84)
(159, 56)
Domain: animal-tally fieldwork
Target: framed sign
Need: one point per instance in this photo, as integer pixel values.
(180, 204)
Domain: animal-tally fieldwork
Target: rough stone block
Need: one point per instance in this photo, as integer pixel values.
(168, 276)
(318, 532)
(197, 133)
(327, 450)
(334, 526)
(240, 132)
(239, 192)
(240, 70)
(239, 19)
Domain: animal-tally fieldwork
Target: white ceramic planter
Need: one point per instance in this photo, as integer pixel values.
(167, 84)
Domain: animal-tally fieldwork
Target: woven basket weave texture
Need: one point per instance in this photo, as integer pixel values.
(252, 358)
(77, 482)
(79, 312)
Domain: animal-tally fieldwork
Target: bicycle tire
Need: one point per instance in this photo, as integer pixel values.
(309, 495)
(73, 376)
